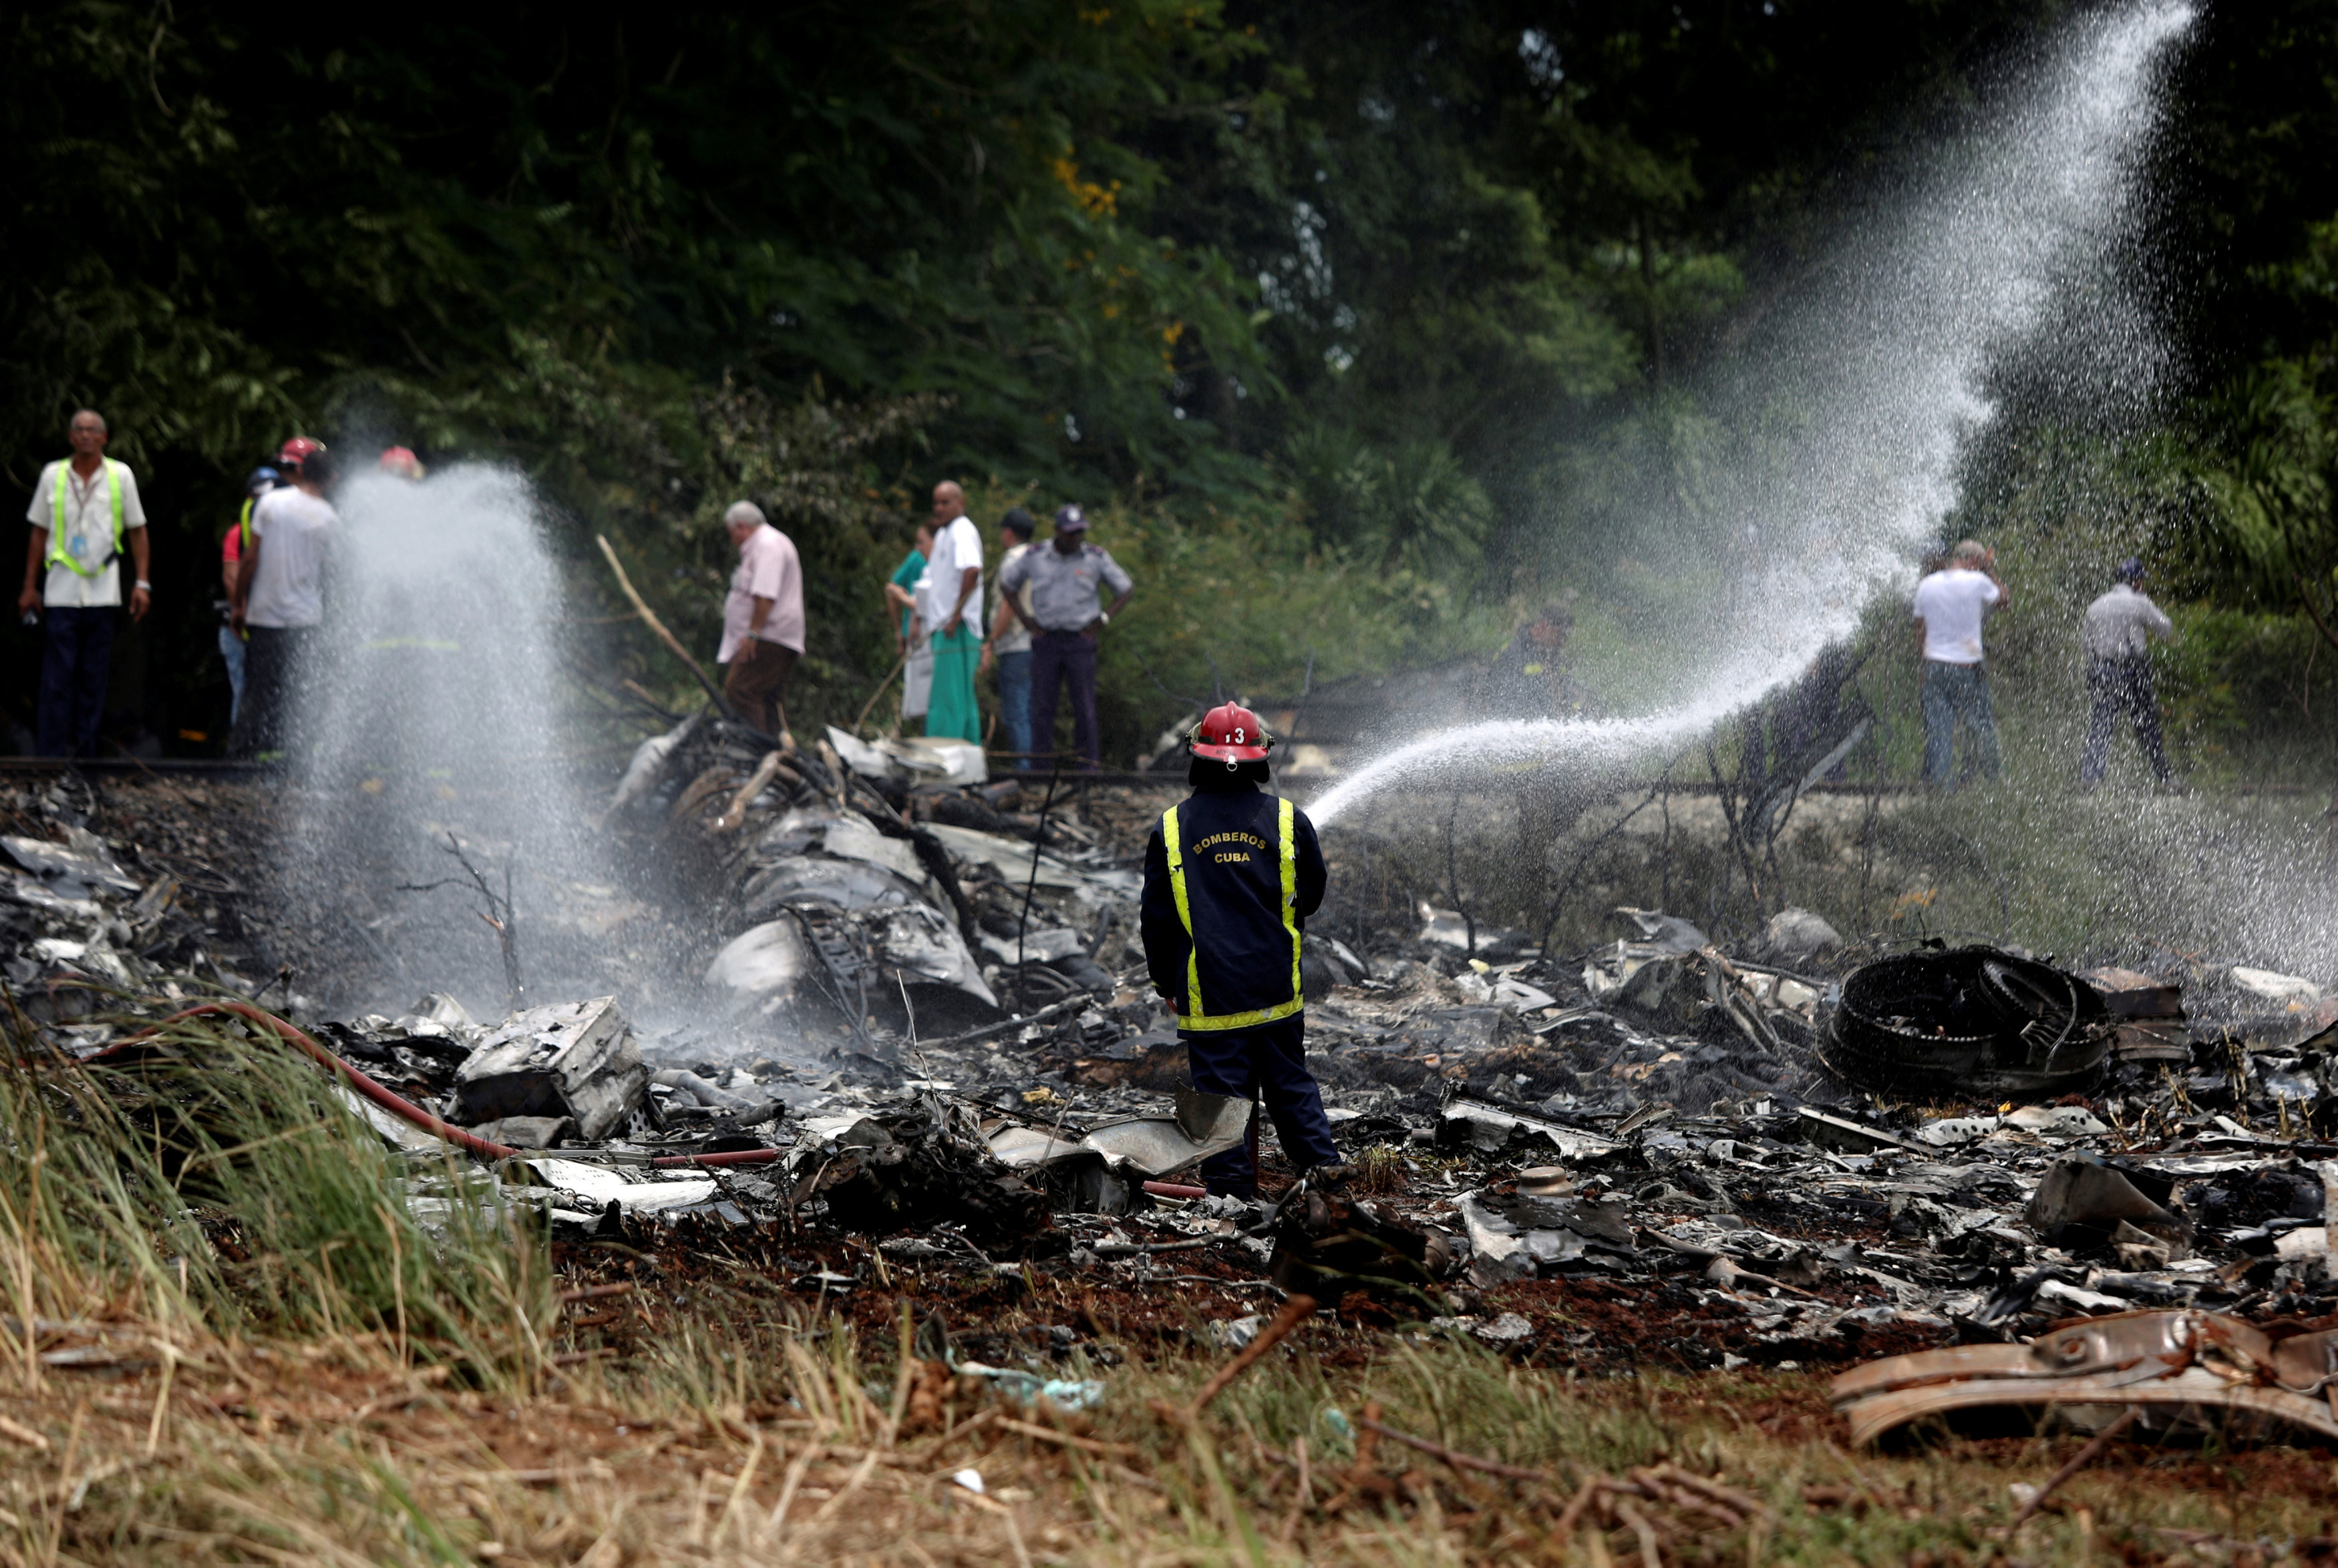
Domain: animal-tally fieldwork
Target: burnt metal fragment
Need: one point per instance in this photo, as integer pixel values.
(575, 1060)
(1966, 1022)
(2201, 1370)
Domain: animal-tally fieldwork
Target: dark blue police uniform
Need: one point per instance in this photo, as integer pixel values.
(1230, 875)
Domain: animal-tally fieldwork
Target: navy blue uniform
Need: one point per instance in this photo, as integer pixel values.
(1222, 919)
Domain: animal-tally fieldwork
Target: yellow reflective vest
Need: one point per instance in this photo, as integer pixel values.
(1238, 901)
(58, 554)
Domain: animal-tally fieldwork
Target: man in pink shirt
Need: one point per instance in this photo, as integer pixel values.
(762, 622)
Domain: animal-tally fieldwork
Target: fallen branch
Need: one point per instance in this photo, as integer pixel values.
(1649, 1556)
(882, 687)
(735, 813)
(1295, 1311)
(1741, 1502)
(1053, 1010)
(595, 1292)
(1571, 1516)
(1147, 1248)
(1459, 1461)
(2078, 1461)
(1664, 1483)
(649, 618)
(1068, 1439)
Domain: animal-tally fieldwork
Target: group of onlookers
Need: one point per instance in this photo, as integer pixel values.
(87, 516)
(1037, 639)
(1046, 615)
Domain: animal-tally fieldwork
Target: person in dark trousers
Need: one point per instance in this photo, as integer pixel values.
(1063, 585)
(2119, 628)
(1230, 875)
(85, 517)
(1008, 646)
(238, 533)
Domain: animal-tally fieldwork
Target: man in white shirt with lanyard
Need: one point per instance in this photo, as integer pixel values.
(85, 514)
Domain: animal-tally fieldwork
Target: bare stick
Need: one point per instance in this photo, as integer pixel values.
(2313, 613)
(1295, 1311)
(1038, 841)
(1459, 1461)
(1649, 1556)
(882, 687)
(1558, 901)
(649, 618)
(735, 813)
(1571, 1515)
(1053, 1010)
(2078, 1461)
(1147, 1248)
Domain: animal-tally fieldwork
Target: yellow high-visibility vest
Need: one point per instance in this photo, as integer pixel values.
(1196, 1015)
(58, 554)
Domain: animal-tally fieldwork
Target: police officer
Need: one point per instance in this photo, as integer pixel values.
(1065, 585)
(1230, 875)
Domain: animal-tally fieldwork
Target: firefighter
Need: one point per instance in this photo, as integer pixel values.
(1230, 875)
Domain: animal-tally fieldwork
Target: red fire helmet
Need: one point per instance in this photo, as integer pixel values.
(401, 462)
(1231, 733)
(295, 451)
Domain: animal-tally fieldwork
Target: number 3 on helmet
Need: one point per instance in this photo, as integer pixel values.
(1231, 733)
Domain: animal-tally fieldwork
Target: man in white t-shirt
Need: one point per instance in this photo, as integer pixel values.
(1950, 605)
(280, 599)
(950, 604)
(85, 516)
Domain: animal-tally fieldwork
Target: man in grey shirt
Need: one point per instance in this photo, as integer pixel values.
(1064, 622)
(2118, 631)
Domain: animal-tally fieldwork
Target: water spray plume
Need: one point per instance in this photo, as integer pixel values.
(439, 810)
(2012, 239)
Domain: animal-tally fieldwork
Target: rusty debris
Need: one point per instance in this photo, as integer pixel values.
(2180, 1369)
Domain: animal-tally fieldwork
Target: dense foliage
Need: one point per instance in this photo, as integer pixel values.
(1384, 294)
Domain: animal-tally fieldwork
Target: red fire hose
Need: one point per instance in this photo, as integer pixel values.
(735, 1157)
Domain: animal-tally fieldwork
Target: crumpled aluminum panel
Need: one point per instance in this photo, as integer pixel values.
(2179, 1360)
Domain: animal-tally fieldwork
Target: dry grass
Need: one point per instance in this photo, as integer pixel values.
(321, 1381)
(337, 1452)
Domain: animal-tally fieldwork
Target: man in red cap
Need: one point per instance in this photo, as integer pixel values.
(1230, 875)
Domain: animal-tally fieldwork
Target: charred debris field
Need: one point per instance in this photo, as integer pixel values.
(841, 1203)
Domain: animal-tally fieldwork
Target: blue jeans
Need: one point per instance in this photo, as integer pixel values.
(232, 652)
(1953, 692)
(1269, 1063)
(1014, 703)
(74, 664)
